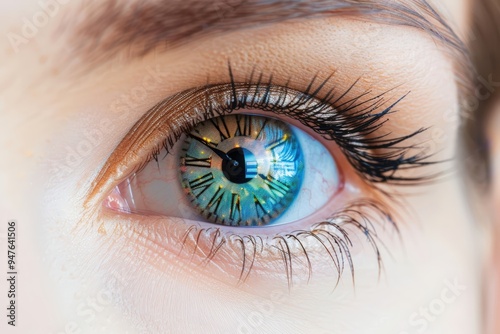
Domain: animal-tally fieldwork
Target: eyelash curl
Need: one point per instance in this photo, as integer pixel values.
(352, 123)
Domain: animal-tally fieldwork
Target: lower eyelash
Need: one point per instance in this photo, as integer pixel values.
(331, 235)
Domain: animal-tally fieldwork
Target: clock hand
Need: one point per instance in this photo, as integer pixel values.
(221, 154)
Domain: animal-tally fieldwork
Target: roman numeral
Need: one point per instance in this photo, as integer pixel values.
(197, 162)
(244, 129)
(235, 207)
(259, 209)
(261, 129)
(275, 186)
(216, 199)
(201, 183)
(220, 125)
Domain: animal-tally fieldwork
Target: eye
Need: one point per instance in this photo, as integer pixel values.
(237, 170)
(262, 172)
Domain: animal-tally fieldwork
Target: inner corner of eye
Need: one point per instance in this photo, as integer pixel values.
(236, 170)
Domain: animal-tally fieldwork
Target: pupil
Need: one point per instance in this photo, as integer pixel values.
(242, 167)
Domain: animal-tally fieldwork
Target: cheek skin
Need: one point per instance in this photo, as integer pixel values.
(172, 280)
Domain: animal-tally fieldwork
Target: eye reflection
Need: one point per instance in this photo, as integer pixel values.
(241, 170)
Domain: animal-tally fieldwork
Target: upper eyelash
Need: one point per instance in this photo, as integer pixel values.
(351, 123)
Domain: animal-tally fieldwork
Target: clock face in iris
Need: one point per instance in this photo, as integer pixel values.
(241, 170)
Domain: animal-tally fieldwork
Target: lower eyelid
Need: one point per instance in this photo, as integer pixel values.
(215, 252)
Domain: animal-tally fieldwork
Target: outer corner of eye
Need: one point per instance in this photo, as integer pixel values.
(239, 170)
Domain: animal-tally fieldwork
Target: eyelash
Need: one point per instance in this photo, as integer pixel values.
(350, 124)
(332, 235)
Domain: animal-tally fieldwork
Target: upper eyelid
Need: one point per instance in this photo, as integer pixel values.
(158, 119)
(157, 122)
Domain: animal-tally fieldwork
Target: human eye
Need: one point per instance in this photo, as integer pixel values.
(250, 172)
(235, 170)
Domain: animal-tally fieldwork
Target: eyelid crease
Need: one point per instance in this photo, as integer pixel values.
(352, 124)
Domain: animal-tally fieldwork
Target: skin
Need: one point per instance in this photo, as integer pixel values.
(96, 274)
(493, 200)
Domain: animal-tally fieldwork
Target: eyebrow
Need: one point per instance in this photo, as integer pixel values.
(139, 27)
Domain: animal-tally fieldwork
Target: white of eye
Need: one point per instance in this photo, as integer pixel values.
(321, 179)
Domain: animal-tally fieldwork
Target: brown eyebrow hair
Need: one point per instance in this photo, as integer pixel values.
(138, 27)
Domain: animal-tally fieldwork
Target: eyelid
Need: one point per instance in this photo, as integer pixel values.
(328, 248)
(353, 122)
(161, 126)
